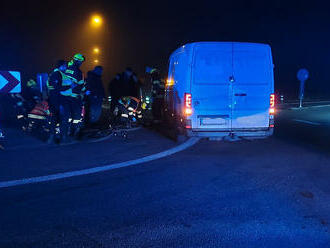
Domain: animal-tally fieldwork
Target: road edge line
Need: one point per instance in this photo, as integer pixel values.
(12, 183)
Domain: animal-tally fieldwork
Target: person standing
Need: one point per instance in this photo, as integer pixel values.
(95, 95)
(71, 99)
(158, 91)
(129, 84)
(114, 89)
(135, 86)
(54, 85)
(114, 93)
(125, 83)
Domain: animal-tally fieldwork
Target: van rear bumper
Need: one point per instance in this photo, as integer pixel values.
(248, 133)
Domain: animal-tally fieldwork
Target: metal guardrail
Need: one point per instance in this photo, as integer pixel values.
(305, 104)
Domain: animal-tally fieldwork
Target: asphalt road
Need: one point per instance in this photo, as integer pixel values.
(262, 193)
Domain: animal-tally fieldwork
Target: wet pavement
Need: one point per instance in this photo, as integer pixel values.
(262, 193)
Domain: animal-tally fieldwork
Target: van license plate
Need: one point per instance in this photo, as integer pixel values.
(213, 121)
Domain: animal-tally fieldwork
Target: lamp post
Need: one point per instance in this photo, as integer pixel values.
(96, 29)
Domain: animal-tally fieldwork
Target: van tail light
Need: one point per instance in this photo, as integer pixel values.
(187, 104)
(272, 104)
(272, 111)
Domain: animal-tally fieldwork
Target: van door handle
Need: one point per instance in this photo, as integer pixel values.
(240, 94)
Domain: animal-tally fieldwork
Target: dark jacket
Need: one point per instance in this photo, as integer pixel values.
(54, 83)
(31, 96)
(129, 86)
(94, 84)
(114, 89)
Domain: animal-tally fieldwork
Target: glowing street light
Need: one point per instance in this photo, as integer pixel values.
(96, 21)
(96, 50)
(96, 61)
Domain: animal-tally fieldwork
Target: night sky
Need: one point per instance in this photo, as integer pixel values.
(34, 34)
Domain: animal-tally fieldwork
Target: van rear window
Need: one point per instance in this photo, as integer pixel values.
(249, 66)
(212, 67)
(252, 67)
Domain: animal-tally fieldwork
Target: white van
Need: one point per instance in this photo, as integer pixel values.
(220, 89)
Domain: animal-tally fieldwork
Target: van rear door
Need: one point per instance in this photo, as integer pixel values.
(210, 87)
(252, 86)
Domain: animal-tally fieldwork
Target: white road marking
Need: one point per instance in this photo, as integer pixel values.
(52, 177)
(319, 106)
(308, 122)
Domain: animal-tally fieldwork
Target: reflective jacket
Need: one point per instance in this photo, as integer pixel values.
(73, 82)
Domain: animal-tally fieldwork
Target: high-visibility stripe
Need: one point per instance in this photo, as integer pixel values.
(66, 92)
(76, 121)
(68, 77)
(124, 115)
(32, 116)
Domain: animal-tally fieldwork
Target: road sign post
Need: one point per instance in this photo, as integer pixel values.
(302, 76)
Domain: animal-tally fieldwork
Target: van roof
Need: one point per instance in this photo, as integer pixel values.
(187, 47)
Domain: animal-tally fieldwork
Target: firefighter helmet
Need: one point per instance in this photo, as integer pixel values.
(154, 70)
(79, 57)
(31, 83)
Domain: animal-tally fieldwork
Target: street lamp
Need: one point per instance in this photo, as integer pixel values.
(96, 50)
(96, 21)
(96, 61)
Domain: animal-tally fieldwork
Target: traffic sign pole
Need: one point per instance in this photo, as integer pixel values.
(302, 76)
